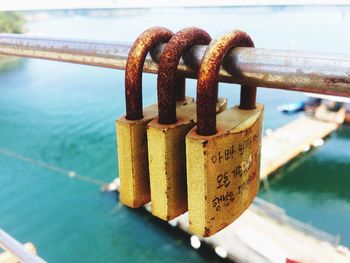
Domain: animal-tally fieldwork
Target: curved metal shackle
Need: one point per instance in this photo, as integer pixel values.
(166, 82)
(134, 65)
(207, 84)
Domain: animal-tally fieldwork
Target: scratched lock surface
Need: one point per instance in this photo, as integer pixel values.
(224, 170)
(132, 158)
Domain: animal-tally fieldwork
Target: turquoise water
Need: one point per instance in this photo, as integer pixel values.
(63, 115)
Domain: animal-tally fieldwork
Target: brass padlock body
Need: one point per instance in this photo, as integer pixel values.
(133, 158)
(166, 134)
(223, 170)
(223, 151)
(167, 160)
(131, 128)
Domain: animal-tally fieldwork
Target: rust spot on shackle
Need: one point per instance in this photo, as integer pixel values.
(134, 65)
(207, 85)
(166, 82)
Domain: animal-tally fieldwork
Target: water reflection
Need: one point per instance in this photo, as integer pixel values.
(10, 63)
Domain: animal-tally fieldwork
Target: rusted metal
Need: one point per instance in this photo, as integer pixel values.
(180, 84)
(208, 76)
(248, 92)
(305, 71)
(134, 66)
(169, 60)
(248, 97)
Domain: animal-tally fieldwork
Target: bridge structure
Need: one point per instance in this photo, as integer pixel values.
(263, 227)
(14, 251)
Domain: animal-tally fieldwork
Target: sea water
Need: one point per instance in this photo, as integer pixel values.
(59, 117)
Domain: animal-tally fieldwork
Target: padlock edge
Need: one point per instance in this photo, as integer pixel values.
(128, 168)
(222, 127)
(149, 113)
(161, 162)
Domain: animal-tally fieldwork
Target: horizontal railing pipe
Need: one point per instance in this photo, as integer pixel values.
(325, 73)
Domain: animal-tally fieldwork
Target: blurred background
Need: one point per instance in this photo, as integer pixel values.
(64, 115)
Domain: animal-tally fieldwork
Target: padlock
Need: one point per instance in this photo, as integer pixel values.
(223, 151)
(131, 128)
(166, 134)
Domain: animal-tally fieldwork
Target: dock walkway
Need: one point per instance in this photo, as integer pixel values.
(258, 236)
(287, 142)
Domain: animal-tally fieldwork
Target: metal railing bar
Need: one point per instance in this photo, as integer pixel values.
(315, 72)
(17, 249)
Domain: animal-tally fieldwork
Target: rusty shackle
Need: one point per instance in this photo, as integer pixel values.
(133, 70)
(168, 93)
(207, 85)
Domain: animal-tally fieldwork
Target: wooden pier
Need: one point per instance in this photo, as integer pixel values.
(287, 142)
(264, 233)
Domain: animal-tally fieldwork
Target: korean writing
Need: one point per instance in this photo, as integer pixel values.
(228, 153)
(222, 200)
(222, 180)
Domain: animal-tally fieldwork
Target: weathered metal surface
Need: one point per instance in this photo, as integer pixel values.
(326, 73)
(133, 158)
(169, 60)
(207, 85)
(223, 152)
(223, 169)
(134, 66)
